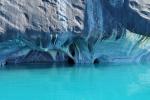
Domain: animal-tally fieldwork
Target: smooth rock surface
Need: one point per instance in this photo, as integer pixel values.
(82, 31)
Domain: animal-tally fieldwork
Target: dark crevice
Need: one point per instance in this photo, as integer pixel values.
(70, 61)
(26, 16)
(77, 6)
(96, 61)
(71, 50)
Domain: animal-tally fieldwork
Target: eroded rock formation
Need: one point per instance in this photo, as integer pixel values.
(76, 31)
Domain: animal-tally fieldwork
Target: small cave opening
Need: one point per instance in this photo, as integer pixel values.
(70, 61)
(96, 61)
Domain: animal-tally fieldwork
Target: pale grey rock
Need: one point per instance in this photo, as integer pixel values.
(41, 15)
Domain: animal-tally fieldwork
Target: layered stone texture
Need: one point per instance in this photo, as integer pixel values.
(76, 31)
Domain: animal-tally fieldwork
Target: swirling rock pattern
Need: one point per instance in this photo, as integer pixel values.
(76, 31)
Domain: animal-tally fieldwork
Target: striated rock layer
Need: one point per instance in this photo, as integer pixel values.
(74, 31)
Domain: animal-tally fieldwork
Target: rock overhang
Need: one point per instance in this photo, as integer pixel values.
(77, 24)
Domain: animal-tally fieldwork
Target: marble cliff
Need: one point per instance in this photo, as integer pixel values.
(74, 31)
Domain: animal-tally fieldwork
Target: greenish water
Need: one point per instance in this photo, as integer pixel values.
(83, 82)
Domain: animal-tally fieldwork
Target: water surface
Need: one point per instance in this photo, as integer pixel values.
(82, 82)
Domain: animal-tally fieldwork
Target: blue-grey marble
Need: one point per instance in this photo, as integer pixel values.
(75, 31)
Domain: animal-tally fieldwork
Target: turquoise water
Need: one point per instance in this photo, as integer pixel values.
(83, 82)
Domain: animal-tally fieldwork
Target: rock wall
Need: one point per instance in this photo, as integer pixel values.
(77, 31)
